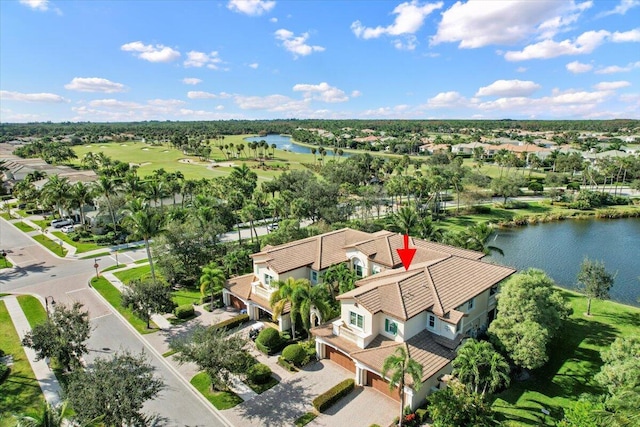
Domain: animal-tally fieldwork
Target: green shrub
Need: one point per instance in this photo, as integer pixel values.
(184, 311)
(259, 373)
(331, 396)
(269, 341)
(294, 353)
(4, 372)
(233, 322)
(286, 365)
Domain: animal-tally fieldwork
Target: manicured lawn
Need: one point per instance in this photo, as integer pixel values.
(186, 296)
(80, 246)
(142, 261)
(112, 294)
(50, 244)
(131, 274)
(42, 223)
(24, 227)
(33, 309)
(101, 254)
(168, 353)
(574, 360)
(20, 392)
(4, 263)
(114, 267)
(220, 399)
(305, 419)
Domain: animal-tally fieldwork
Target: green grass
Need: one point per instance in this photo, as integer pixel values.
(113, 296)
(220, 399)
(26, 228)
(131, 274)
(33, 309)
(169, 353)
(186, 296)
(114, 267)
(42, 223)
(96, 255)
(305, 419)
(4, 263)
(5, 215)
(50, 244)
(142, 261)
(261, 388)
(20, 392)
(81, 247)
(574, 360)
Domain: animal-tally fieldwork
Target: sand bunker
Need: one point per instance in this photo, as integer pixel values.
(145, 149)
(140, 164)
(165, 151)
(123, 145)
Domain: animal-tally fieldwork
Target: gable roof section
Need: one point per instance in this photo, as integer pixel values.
(440, 286)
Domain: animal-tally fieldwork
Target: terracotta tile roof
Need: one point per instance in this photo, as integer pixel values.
(318, 252)
(421, 347)
(440, 286)
(241, 287)
(325, 332)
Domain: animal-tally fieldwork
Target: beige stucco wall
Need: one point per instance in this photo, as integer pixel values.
(478, 315)
(419, 396)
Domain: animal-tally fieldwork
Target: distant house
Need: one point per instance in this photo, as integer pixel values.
(446, 295)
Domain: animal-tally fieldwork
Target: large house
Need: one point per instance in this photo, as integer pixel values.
(447, 294)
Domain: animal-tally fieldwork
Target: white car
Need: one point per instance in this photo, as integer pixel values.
(272, 227)
(68, 228)
(59, 223)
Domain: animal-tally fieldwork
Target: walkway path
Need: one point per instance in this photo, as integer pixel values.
(45, 376)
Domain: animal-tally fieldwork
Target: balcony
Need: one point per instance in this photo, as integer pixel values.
(263, 292)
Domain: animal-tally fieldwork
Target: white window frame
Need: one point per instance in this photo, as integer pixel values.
(390, 326)
(358, 266)
(358, 317)
(375, 269)
(268, 279)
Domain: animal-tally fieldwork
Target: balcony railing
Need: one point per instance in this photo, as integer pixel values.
(263, 292)
(348, 334)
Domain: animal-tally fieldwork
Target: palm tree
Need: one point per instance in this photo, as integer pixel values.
(340, 275)
(401, 364)
(480, 367)
(81, 195)
(313, 300)
(107, 187)
(405, 220)
(144, 223)
(57, 191)
(212, 280)
(287, 292)
(51, 416)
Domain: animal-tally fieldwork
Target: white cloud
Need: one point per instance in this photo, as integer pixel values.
(274, 20)
(618, 69)
(113, 103)
(577, 67)
(621, 8)
(6, 95)
(165, 102)
(322, 92)
(94, 84)
(409, 19)
(191, 81)
(509, 88)
(196, 94)
(446, 100)
(476, 24)
(585, 43)
(627, 36)
(255, 65)
(41, 5)
(157, 53)
(521, 69)
(251, 7)
(276, 103)
(200, 59)
(356, 93)
(296, 44)
(611, 85)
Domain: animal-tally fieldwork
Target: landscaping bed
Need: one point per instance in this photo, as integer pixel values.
(220, 399)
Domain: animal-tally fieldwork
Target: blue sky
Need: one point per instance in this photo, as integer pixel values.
(216, 60)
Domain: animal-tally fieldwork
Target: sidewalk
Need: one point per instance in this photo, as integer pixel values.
(45, 376)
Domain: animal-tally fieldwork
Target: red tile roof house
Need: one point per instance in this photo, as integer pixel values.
(447, 294)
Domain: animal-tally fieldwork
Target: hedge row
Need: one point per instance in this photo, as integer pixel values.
(184, 311)
(233, 322)
(331, 396)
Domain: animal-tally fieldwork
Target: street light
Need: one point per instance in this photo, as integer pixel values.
(46, 303)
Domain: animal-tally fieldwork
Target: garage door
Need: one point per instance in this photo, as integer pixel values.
(340, 358)
(237, 303)
(377, 382)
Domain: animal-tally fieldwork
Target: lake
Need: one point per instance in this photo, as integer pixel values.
(559, 248)
(284, 142)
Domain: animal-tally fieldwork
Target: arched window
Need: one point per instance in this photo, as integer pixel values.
(358, 267)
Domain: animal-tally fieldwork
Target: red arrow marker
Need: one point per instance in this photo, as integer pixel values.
(406, 254)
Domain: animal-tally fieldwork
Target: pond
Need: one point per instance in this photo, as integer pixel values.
(560, 247)
(284, 142)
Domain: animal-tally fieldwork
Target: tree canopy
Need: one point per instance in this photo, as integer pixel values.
(594, 281)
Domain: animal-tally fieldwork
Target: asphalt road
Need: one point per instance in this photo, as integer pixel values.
(39, 272)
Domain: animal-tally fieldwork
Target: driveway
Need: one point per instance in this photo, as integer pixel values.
(362, 407)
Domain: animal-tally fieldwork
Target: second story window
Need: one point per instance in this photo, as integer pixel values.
(471, 303)
(390, 327)
(432, 321)
(356, 320)
(268, 279)
(314, 277)
(358, 267)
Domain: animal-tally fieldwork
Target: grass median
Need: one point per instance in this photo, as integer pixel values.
(24, 227)
(574, 360)
(51, 245)
(33, 309)
(20, 393)
(114, 297)
(81, 247)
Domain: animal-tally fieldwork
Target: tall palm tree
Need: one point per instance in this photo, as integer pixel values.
(107, 187)
(312, 300)
(50, 416)
(339, 276)
(212, 280)
(479, 367)
(405, 220)
(287, 292)
(57, 191)
(81, 195)
(144, 224)
(400, 364)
